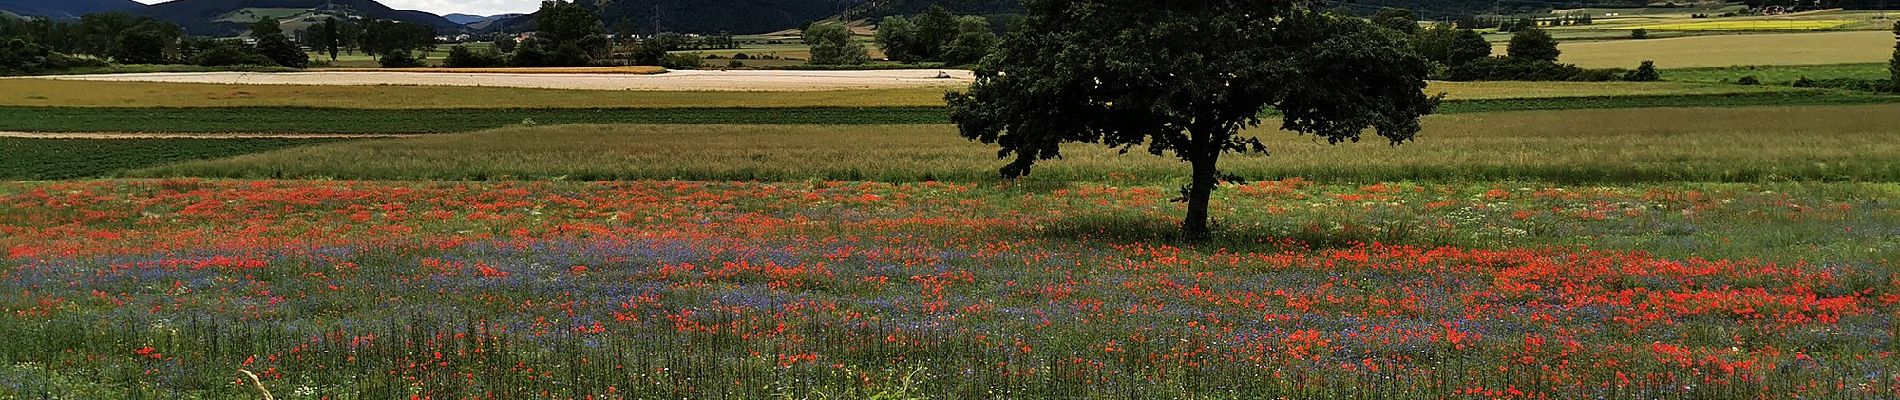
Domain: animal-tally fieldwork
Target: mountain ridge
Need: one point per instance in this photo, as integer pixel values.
(65, 9)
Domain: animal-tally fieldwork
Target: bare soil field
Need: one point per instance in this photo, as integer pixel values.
(673, 80)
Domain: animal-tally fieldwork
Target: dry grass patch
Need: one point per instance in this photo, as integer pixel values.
(1730, 50)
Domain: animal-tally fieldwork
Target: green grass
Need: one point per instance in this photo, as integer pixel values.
(374, 121)
(1778, 74)
(154, 68)
(1815, 143)
(50, 159)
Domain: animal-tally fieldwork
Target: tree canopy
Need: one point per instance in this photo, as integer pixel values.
(1184, 78)
(1532, 44)
(831, 44)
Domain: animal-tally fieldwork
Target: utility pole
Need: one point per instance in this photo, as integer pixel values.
(656, 21)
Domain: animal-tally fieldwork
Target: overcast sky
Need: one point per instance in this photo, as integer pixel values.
(477, 7)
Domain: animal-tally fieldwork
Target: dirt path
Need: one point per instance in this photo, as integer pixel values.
(90, 135)
(674, 80)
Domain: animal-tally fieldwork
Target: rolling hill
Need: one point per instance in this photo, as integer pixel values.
(226, 17)
(478, 22)
(65, 9)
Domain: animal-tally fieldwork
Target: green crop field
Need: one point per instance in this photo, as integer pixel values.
(1779, 74)
(1733, 144)
(397, 121)
(46, 159)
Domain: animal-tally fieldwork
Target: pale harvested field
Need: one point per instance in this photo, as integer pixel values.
(513, 70)
(673, 81)
(1731, 50)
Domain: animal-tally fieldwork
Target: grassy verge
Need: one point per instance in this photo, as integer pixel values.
(49, 159)
(1836, 143)
(370, 121)
(1779, 74)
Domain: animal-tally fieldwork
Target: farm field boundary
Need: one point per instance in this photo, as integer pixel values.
(305, 120)
(1828, 143)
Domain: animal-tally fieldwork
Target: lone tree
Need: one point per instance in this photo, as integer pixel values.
(831, 44)
(1893, 66)
(1532, 45)
(1186, 77)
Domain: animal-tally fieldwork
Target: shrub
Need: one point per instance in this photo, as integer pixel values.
(682, 61)
(1748, 80)
(735, 64)
(1645, 73)
(1639, 34)
(399, 59)
(228, 56)
(464, 57)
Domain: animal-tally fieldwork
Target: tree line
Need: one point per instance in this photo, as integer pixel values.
(1461, 54)
(41, 44)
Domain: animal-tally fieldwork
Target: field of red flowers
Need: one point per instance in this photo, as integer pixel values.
(373, 290)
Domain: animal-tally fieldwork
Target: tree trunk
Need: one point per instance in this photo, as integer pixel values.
(1199, 190)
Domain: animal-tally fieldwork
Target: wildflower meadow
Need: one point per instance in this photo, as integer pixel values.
(186, 289)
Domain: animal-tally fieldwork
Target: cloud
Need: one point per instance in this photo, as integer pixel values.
(478, 7)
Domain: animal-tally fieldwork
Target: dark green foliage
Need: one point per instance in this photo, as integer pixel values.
(1639, 34)
(928, 37)
(683, 61)
(383, 37)
(831, 44)
(20, 56)
(1449, 46)
(108, 34)
(1645, 73)
(51, 159)
(1512, 69)
(1748, 80)
(326, 38)
(1396, 19)
(461, 56)
(1185, 78)
(273, 44)
(223, 53)
(570, 34)
(505, 42)
(1533, 45)
(899, 39)
(1893, 66)
(936, 28)
(399, 59)
(973, 41)
(1866, 85)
